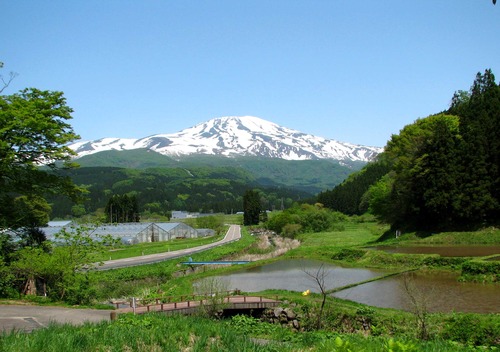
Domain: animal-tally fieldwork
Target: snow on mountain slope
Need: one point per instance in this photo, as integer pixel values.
(236, 136)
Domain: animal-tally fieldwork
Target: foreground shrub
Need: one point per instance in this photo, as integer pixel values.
(472, 329)
(483, 271)
(349, 254)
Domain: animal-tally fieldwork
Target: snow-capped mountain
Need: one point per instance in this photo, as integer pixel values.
(236, 136)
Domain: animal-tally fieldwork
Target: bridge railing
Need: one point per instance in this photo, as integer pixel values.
(172, 299)
(189, 300)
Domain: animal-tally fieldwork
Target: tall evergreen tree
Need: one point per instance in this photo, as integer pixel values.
(479, 113)
(445, 170)
(251, 208)
(122, 208)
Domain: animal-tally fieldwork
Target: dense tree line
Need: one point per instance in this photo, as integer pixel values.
(347, 197)
(161, 190)
(443, 169)
(122, 208)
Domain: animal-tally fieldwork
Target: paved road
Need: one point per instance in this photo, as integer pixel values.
(233, 234)
(27, 318)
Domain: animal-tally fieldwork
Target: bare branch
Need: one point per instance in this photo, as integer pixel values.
(320, 278)
(6, 83)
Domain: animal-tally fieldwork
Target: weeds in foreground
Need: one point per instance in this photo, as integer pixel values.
(156, 332)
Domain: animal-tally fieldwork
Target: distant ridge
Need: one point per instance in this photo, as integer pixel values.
(234, 136)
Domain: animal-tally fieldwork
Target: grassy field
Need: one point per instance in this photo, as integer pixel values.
(127, 251)
(343, 325)
(488, 236)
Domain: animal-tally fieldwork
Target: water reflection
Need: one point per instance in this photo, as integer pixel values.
(291, 275)
(441, 292)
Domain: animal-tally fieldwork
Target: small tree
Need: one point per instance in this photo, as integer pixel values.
(214, 289)
(419, 301)
(319, 277)
(65, 269)
(213, 222)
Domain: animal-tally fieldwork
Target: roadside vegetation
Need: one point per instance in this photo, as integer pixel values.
(435, 184)
(155, 332)
(345, 325)
(128, 251)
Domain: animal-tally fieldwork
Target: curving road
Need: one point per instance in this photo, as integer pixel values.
(233, 234)
(28, 318)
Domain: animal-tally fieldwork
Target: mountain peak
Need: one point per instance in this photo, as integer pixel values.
(237, 135)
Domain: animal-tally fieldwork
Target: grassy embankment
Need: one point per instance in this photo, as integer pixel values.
(343, 326)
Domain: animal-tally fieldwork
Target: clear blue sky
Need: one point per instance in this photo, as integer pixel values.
(354, 71)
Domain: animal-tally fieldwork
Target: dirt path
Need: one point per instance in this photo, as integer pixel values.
(276, 245)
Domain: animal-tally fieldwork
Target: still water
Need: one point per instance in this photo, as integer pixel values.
(440, 291)
(293, 275)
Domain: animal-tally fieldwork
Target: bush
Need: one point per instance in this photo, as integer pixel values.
(291, 230)
(472, 329)
(349, 254)
(438, 261)
(475, 270)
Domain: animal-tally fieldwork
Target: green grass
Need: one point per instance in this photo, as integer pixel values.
(323, 244)
(156, 332)
(391, 330)
(127, 251)
(158, 277)
(486, 236)
(133, 333)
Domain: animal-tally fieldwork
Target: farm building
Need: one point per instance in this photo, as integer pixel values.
(131, 233)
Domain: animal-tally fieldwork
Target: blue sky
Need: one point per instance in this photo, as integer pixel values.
(354, 71)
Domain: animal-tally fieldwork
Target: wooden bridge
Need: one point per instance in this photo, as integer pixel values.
(237, 302)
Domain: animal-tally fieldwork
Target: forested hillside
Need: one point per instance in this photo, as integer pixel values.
(441, 172)
(311, 176)
(160, 190)
(348, 196)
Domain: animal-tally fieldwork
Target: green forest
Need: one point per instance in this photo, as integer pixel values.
(160, 190)
(439, 173)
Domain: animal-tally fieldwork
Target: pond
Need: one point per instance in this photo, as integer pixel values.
(292, 275)
(442, 290)
(444, 251)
